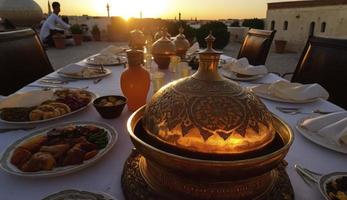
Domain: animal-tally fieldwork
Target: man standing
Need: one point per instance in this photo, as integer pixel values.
(49, 26)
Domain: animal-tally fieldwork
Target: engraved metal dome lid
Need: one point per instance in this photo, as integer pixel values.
(182, 44)
(164, 45)
(137, 39)
(205, 113)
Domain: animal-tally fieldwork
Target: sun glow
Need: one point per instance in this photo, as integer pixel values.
(132, 8)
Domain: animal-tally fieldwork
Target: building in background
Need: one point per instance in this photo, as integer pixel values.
(296, 21)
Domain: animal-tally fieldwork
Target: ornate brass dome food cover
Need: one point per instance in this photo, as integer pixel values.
(137, 40)
(205, 113)
(182, 44)
(22, 13)
(159, 34)
(162, 50)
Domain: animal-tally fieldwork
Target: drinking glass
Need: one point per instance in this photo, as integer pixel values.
(183, 70)
(174, 62)
(157, 81)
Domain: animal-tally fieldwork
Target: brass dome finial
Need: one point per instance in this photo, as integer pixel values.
(209, 40)
(181, 30)
(165, 32)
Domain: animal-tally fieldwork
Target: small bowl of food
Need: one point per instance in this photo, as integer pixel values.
(334, 186)
(111, 106)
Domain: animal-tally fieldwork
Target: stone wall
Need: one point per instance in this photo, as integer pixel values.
(301, 19)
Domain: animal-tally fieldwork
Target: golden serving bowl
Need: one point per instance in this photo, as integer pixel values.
(180, 175)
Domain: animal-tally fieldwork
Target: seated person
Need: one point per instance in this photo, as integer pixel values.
(49, 28)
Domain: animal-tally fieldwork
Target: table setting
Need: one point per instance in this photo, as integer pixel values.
(284, 91)
(75, 71)
(89, 150)
(241, 70)
(109, 56)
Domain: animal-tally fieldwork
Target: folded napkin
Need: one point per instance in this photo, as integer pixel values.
(332, 126)
(242, 66)
(193, 49)
(296, 91)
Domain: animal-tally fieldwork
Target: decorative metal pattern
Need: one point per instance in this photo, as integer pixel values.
(213, 107)
(206, 113)
(135, 187)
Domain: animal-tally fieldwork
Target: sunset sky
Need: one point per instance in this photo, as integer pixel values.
(166, 9)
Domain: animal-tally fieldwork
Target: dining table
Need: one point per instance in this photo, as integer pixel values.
(105, 175)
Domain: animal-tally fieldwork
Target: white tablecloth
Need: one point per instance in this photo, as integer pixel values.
(105, 175)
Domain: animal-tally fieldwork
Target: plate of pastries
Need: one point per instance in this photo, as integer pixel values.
(58, 150)
(41, 106)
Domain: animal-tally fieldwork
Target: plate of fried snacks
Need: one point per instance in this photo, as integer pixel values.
(40, 106)
(58, 150)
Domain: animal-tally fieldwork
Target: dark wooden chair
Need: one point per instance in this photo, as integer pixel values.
(324, 61)
(22, 60)
(256, 46)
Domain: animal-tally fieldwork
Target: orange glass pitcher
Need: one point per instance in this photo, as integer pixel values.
(135, 80)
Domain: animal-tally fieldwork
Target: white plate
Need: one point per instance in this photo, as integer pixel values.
(316, 138)
(119, 60)
(75, 76)
(231, 75)
(261, 91)
(46, 120)
(6, 165)
(73, 193)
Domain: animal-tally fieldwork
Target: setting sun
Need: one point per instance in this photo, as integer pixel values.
(132, 8)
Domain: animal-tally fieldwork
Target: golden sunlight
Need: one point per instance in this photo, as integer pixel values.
(132, 8)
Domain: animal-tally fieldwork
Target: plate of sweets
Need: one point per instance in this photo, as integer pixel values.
(59, 149)
(39, 106)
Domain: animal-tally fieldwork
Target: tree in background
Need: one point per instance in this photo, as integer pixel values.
(219, 31)
(235, 23)
(254, 23)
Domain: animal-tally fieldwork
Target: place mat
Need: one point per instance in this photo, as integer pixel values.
(135, 187)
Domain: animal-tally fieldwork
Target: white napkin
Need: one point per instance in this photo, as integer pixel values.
(332, 126)
(27, 99)
(242, 66)
(113, 50)
(296, 91)
(194, 48)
